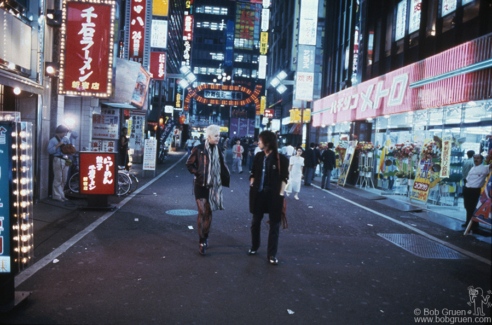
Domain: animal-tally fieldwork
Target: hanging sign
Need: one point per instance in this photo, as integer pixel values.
(415, 12)
(447, 142)
(308, 22)
(86, 56)
(421, 185)
(159, 34)
(137, 30)
(98, 173)
(158, 65)
(268, 113)
(347, 161)
(263, 43)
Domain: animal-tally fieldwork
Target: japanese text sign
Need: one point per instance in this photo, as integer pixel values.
(268, 113)
(421, 185)
(98, 173)
(447, 142)
(188, 28)
(87, 40)
(137, 30)
(308, 22)
(158, 65)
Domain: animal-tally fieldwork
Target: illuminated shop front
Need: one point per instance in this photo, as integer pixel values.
(443, 101)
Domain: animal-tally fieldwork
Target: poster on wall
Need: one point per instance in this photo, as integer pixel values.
(347, 161)
(106, 124)
(137, 130)
(141, 87)
(421, 185)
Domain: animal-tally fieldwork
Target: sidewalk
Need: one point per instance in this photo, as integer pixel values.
(48, 211)
(444, 216)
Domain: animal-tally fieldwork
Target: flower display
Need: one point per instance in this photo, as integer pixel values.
(365, 147)
(430, 151)
(404, 150)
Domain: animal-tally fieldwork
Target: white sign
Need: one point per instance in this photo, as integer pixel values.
(415, 12)
(108, 146)
(265, 19)
(465, 2)
(150, 153)
(401, 19)
(159, 34)
(266, 3)
(105, 125)
(308, 22)
(448, 6)
(262, 63)
(304, 86)
(168, 109)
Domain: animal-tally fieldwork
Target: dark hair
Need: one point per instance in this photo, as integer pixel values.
(61, 129)
(312, 145)
(470, 153)
(297, 148)
(269, 139)
(330, 145)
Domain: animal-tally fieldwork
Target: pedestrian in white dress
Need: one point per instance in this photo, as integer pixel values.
(295, 173)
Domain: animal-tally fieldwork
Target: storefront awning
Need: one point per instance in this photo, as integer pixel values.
(120, 105)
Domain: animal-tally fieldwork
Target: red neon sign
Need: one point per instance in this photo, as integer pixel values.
(137, 30)
(88, 45)
(98, 173)
(158, 65)
(268, 113)
(188, 28)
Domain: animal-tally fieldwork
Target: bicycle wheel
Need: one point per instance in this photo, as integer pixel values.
(124, 184)
(74, 183)
(134, 183)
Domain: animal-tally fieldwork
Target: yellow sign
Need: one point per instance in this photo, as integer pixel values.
(160, 7)
(347, 161)
(421, 186)
(224, 129)
(262, 105)
(295, 115)
(306, 115)
(263, 43)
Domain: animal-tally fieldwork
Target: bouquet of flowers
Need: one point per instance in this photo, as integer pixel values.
(404, 150)
(340, 149)
(431, 151)
(365, 147)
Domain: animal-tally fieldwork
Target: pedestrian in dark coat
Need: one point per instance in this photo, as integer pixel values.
(310, 162)
(268, 176)
(329, 163)
(206, 162)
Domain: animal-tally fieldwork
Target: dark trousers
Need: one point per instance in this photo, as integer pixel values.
(308, 175)
(325, 180)
(262, 199)
(471, 197)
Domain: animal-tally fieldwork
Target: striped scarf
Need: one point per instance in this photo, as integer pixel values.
(214, 182)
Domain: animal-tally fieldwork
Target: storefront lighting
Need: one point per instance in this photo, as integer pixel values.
(274, 82)
(369, 119)
(183, 83)
(215, 80)
(185, 70)
(17, 91)
(69, 121)
(387, 116)
(323, 126)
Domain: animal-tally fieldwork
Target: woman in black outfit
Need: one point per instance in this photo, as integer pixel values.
(206, 162)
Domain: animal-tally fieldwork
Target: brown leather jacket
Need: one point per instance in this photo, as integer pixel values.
(198, 163)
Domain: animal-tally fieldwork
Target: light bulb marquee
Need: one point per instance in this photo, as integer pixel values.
(86, 56)
(253, 96)
(16, 194)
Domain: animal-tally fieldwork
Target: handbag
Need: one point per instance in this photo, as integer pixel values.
(68, 149)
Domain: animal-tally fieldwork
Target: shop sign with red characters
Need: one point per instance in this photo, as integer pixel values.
(137, 30)
(98, 174)
(158, 65)
(86, 56)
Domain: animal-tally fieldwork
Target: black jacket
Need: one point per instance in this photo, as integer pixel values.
(198, 163)
(310, 160)
(328, 159)
(275, 178)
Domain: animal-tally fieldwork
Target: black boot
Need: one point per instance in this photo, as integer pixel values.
(202, 249)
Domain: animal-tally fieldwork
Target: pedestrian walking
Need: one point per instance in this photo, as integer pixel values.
(237, 153)
(207, 163)
(123, 148)
(472, 190)
(60, 167)
(196, 142)
(295, 174)
(289, 150)
(268, 175)
(189, 146)
(309, 164)
(329, 163)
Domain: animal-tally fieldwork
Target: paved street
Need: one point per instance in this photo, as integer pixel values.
(141, 265)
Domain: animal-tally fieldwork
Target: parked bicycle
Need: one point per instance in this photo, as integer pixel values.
(127, 182)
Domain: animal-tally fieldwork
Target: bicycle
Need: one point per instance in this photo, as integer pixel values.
(133, 178)
(124, 182)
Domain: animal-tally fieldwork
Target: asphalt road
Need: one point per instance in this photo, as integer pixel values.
(141, 265)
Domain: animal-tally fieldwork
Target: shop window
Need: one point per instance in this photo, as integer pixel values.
(431, 18)
(448, 22)
(414, 40)
(471, 11)
(389, 33)
(399, 47)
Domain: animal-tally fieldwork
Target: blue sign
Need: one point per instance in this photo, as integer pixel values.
(229, 43)
(5, 190)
